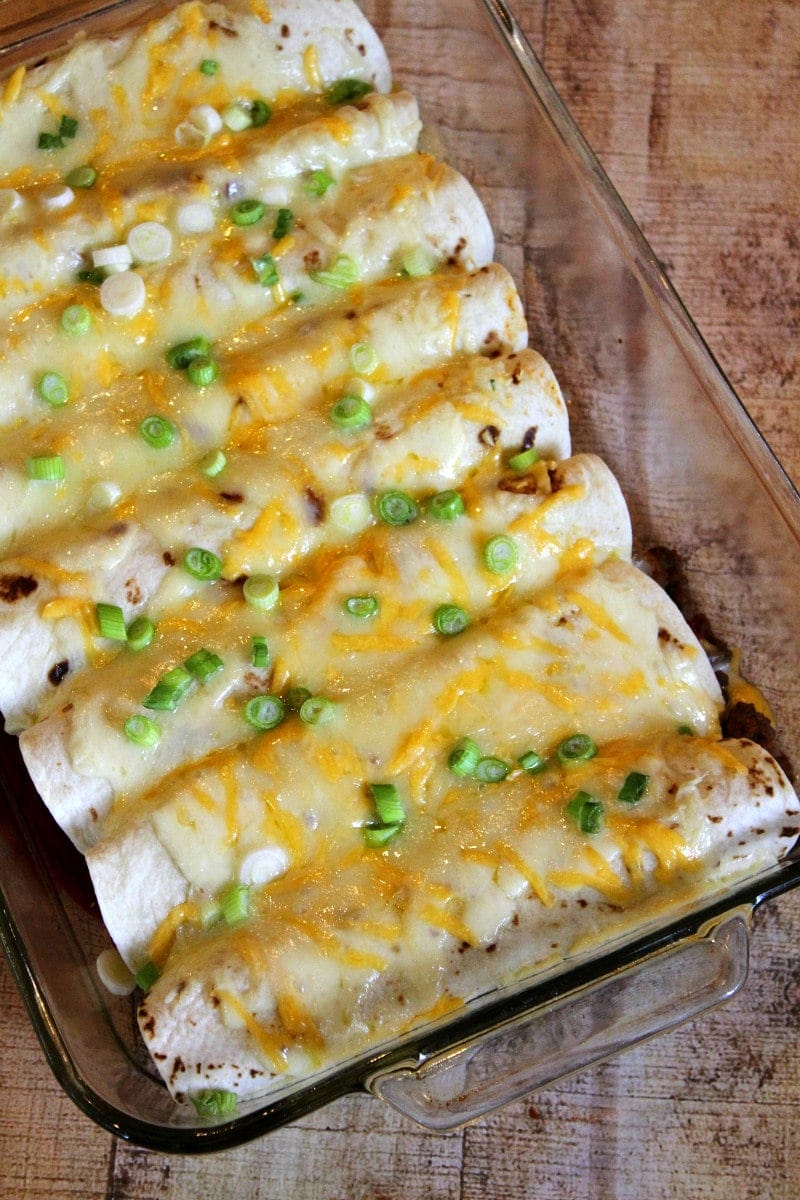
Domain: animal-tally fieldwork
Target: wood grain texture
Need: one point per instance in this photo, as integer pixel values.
(691, 106)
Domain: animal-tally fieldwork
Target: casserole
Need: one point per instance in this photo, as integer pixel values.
(642, 370)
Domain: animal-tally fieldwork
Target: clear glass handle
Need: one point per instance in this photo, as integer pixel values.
(582, 1028)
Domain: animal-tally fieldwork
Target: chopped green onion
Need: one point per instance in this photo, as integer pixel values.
(147, 975)
(235, 904)
(341, 274)
(81, 177)
(261, 591)
(685, 730)
(318, 183)
(209, 66)
(46, 468)
(523, 460)
(111, 622)
(532, 762)
(450, 619)
(202, 371)
(491, 770)
(170, 690)
(95, 275)
(142, 731)
(68, 127)
(236, 118)
(247, 212)
(203, 664)
(213, 1102)
(633, 788)
(180, 355)
(53, 389)
(158, 432)
(260, 113)
(464, 757)
(297, 297)
(265, 711)
(446, 506)
(378, 835)
(418, 261)
(345, 90)
(283, 223)
(296, 696)
(141, 632)
(210, 913)
(388, 804)
(363, 358)
(259, 655)
(317, 710)
(500, 554)
(586, 812)
(397, 508)
(202, 564)
(577, 748)
(212, 463)
(50, 141)
(351, 412)
(266, 271)
(361, 606)
(76, 320)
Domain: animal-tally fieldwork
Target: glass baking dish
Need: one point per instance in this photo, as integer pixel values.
(646, 394)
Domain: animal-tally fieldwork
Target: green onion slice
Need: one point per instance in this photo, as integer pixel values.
(45, 468)
(180, 355)
(464, 757)
(317, 710)
(202, 371)
(523, 460)
(259, 652)
(685, 730)
(579, 747)
(261, 591)
(361, 606)
(378, 835)
(94, 276)
(418, 261)
(264, 711)
(296, 697)
(341, 274)
(68, 127)
(53, 389)
(212, 463)
(247, 212)
(235, 904)
(260, 113)
(158, 431)
(363, 358)
(344, 91)
(450, 619)
(81, 177)
(142, 731)
(351, 412)
(141, 632)
(111, 622)
(388, 804)
(170, 690)
(317, 183)
(50, 141)
(284, 221)
(586, 812)
(266, 271)
(209, 66)
(532, 762)
(397, 508)
(204, 664)
(213, 1102)
(147, 975)
(76, 320)
(202, 564)
(491, 770)
(446, 506)
(633, 788)
(500, 554)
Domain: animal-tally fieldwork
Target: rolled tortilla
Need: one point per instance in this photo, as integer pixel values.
(359, 954)
(315, 643)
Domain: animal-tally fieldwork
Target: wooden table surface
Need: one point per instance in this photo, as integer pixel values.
(692, 107)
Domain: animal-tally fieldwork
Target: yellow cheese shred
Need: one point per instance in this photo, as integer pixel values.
(162, 939)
